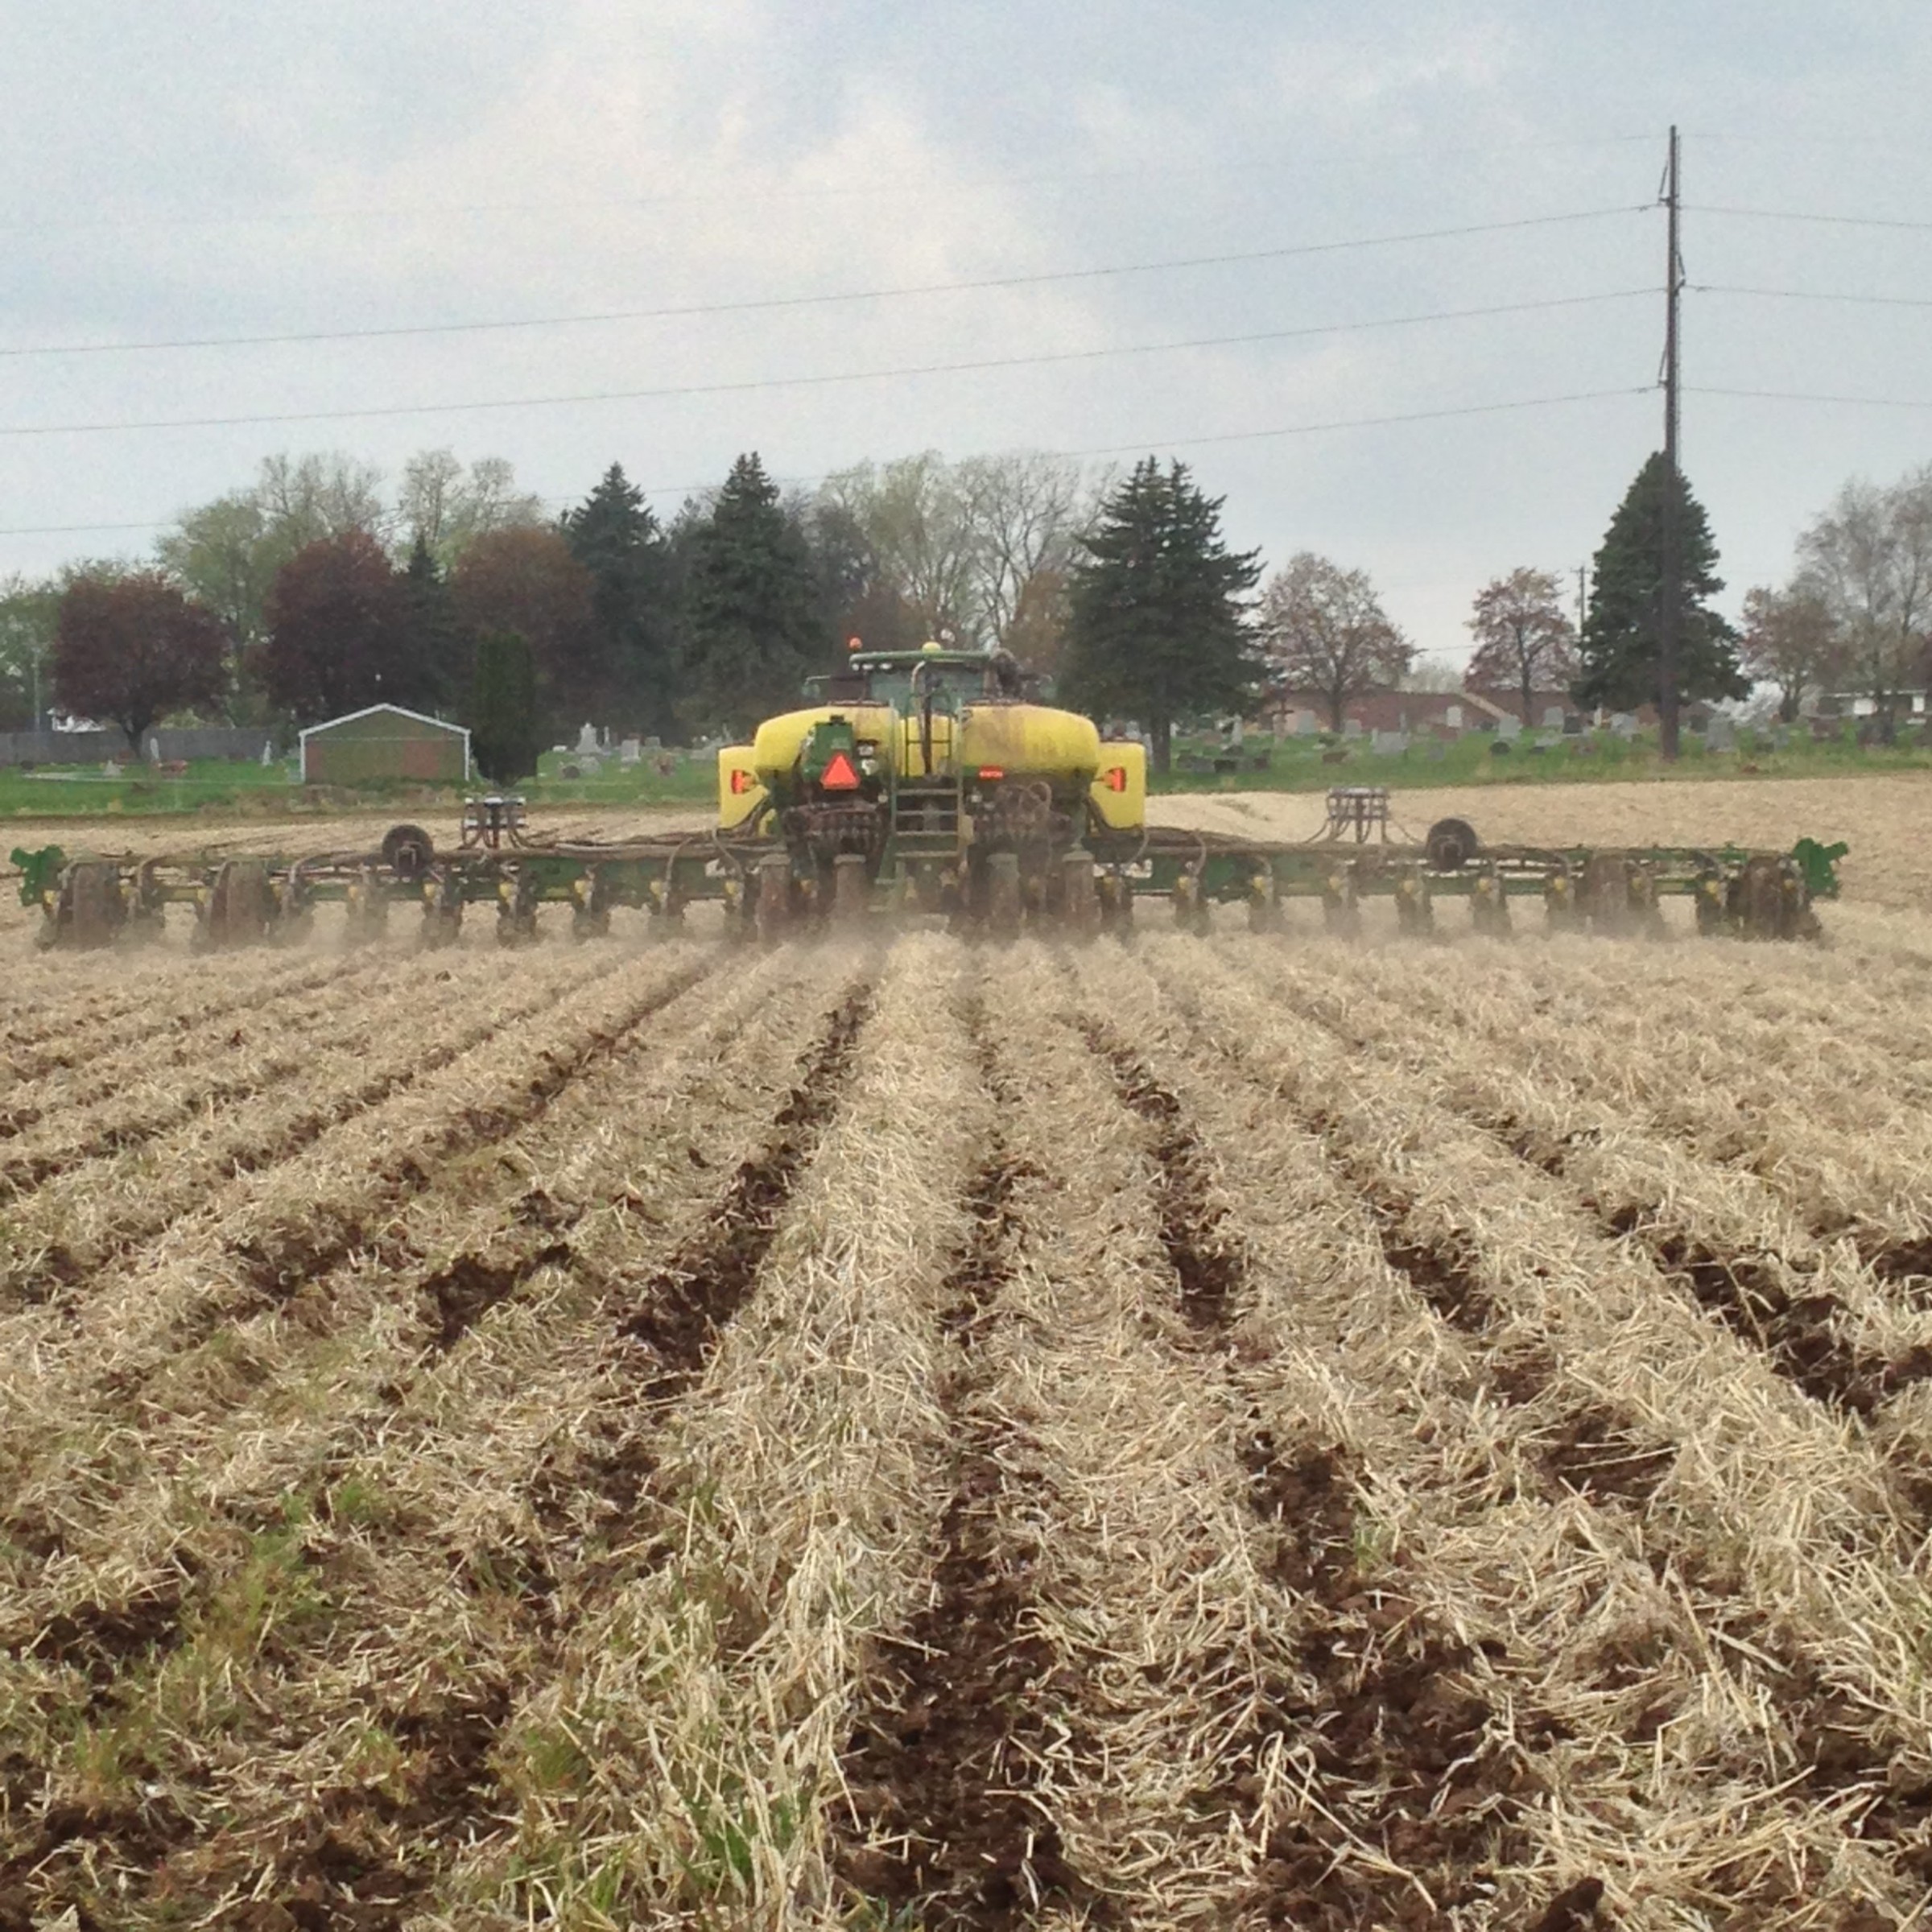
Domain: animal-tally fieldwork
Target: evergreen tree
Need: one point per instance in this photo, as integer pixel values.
(503, 723)
(435, 635)
(755, 613)
(1620, 646)
(613, 534)
(1156, 621)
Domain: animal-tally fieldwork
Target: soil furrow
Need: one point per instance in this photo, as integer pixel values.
(947, 1822)
(1422, 1781)
(1192, 1233)
(1395, 1730)
(246, 1147)
(334, 1863)
(1757, 1297)
(277, 1264)
(87, 1029)
(681, 1310)
(696, 1297)
(108, 1073)
(1860, 1757)
(1800, 1333)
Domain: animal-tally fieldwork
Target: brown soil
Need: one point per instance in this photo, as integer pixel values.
(1207, 1268)
(682, 1309)
(945, 1819)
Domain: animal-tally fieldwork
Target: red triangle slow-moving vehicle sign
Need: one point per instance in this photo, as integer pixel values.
(839, 774)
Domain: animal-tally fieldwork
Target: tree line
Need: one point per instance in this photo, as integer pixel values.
(310, 593)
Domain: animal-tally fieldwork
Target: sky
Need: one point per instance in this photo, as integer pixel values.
(1213, 232)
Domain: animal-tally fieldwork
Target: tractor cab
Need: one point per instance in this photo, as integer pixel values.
(936, 676)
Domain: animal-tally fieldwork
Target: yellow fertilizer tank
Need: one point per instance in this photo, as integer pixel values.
(930, 777)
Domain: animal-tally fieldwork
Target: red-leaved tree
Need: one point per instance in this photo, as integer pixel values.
(133, 649)
(338, 631)
(1524, 643)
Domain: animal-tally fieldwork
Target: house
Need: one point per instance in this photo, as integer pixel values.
(385, 741)
(1547, 708)
(1421, 713)
(1862, 704)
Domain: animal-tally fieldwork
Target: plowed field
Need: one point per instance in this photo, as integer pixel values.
(1242, 1432)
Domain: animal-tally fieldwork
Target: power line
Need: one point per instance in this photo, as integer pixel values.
(1780, 214)
(1793, 395)
(820, 381)
(1311, 429)
(1140, 445)
(868, 191)
(1811, 295)
(810, 301)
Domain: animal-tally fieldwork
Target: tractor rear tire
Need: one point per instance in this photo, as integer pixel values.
(771, 912)
(1451, 843)
(1004, 905)
(408, 851)
(1079, 903)
(241, 906)
(94, 906)
(851, 889)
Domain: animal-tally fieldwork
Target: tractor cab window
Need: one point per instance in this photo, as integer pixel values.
(840, 687)
(906, 682)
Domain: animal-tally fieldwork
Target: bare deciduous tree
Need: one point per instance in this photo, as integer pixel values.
(980, 547)
(915, 521)
(1324, 632)
(1868, 558)
(1787, 640)
(1024, 509)
(1525, 641)
(307, 498)
(449, 509)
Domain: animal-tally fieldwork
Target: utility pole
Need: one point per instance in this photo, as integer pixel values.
(1668, 610)
(1583, 598)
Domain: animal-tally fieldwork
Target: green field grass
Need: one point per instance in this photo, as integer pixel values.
(1310, 765)
(245, 789)
(215, 787)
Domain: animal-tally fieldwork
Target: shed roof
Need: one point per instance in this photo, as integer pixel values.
(399, 711)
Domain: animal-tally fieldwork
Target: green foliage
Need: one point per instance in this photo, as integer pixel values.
(503, 722)
(273, 1588)
(435, 643)
(29, 615)
(755, 621)
(1620, 643)
(1156, 624)
(633, 650)
(727, 1826)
